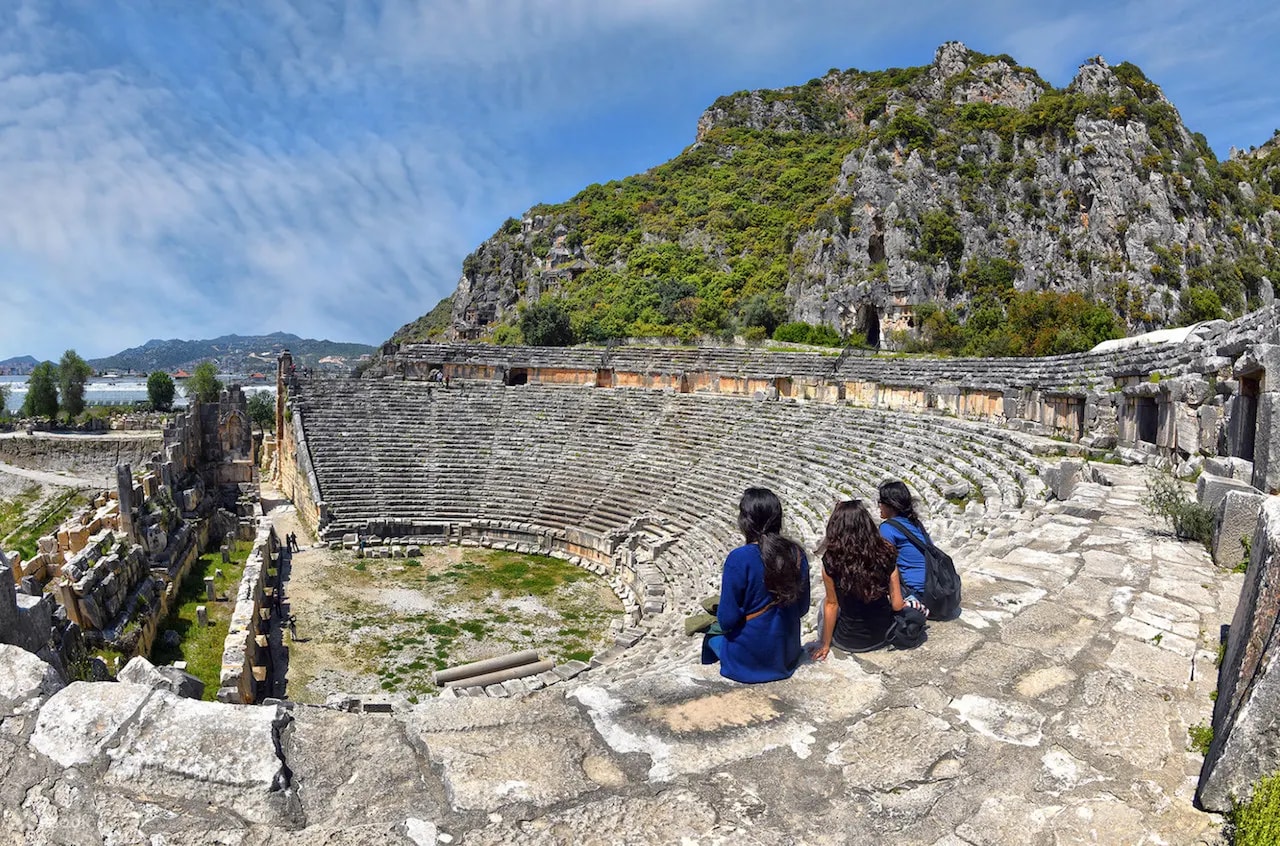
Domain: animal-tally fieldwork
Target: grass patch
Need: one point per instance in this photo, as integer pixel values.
(512, 574)
(24, 539)
(1257, 822)
(1201, 736)
(14, 511)
(201, 647)
(478, 604)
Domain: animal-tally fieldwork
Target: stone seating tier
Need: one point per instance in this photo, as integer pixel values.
(1078, 373)
(531, 465)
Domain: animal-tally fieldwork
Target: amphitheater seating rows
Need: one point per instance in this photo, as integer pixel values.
(1073, 373)
(565, 458)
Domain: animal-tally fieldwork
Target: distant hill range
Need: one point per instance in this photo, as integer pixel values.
(17, 366)
(240, 354)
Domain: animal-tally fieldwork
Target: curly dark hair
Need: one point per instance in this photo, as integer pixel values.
(858, 559)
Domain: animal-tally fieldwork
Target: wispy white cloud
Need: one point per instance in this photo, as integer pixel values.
(322, 166)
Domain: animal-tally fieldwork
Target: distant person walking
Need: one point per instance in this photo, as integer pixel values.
(293, 628)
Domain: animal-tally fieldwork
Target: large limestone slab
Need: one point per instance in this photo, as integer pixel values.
(898, 746)
(359, 767)
(25, 680)
(496, 752)
(1120, 721)
(672, 816)
(1233, 525)
(79, 721)
(1210, 490)
(224, 754)
(693, 721)
(1009, 721)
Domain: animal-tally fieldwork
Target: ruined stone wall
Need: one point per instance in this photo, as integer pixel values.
(1177, 399)
(87, 456)
(247, 668)
(1245, 744)
(294, 473)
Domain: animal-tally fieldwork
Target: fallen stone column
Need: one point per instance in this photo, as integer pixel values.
(488, 665)
(499, 676)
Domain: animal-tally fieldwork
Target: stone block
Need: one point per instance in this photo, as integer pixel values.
(1236, 518)
(173, 679)
(1266, 449)
(1061, 480)
(1247, 708)
(571, 669)
(1231, 468)
(1187, 430)
(1211, 489)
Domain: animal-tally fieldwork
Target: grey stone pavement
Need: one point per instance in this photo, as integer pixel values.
(1055, 711)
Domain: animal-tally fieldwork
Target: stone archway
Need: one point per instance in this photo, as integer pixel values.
(234, 436)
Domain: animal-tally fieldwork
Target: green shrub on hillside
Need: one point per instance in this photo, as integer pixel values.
(546, 324)
(799, 332)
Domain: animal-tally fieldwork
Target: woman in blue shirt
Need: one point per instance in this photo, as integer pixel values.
(764, 591)
(896, 502)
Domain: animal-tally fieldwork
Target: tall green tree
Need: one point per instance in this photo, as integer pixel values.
(4, 401)
(546, 324)
(262, 410)
(42, 392)
(204, 384)
(73, 373)
(160, 390)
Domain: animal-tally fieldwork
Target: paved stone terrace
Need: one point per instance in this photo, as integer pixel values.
(1054, 711)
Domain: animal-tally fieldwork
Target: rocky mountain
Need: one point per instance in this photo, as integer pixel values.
(235, 354)
(870, 201)
(17, 366)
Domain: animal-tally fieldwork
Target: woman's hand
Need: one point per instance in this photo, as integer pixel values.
(819, 651)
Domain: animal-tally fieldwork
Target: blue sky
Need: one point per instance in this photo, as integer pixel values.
(190, 169)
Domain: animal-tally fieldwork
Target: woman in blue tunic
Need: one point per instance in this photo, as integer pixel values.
(896, 502)
(764, 591)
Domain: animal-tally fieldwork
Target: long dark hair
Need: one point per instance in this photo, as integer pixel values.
(859, 560)
(895, 495)
(760, 520)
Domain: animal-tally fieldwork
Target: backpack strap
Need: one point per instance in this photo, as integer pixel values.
(911, 536)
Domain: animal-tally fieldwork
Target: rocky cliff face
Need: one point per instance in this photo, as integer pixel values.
(857, 197)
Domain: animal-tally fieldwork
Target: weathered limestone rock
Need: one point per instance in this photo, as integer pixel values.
(1245, 744)
(1211, 489)
(82, 719)
(141, 671)
(25, 680)
(1235, 520)
(497, 751)
(1062, 479)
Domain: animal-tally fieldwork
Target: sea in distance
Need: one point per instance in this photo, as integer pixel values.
(121, 390)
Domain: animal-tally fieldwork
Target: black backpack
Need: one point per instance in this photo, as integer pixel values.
(941, 581)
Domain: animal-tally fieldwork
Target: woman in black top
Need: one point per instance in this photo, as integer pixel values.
(860, 572)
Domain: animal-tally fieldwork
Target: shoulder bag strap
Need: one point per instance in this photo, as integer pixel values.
(911, 536)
